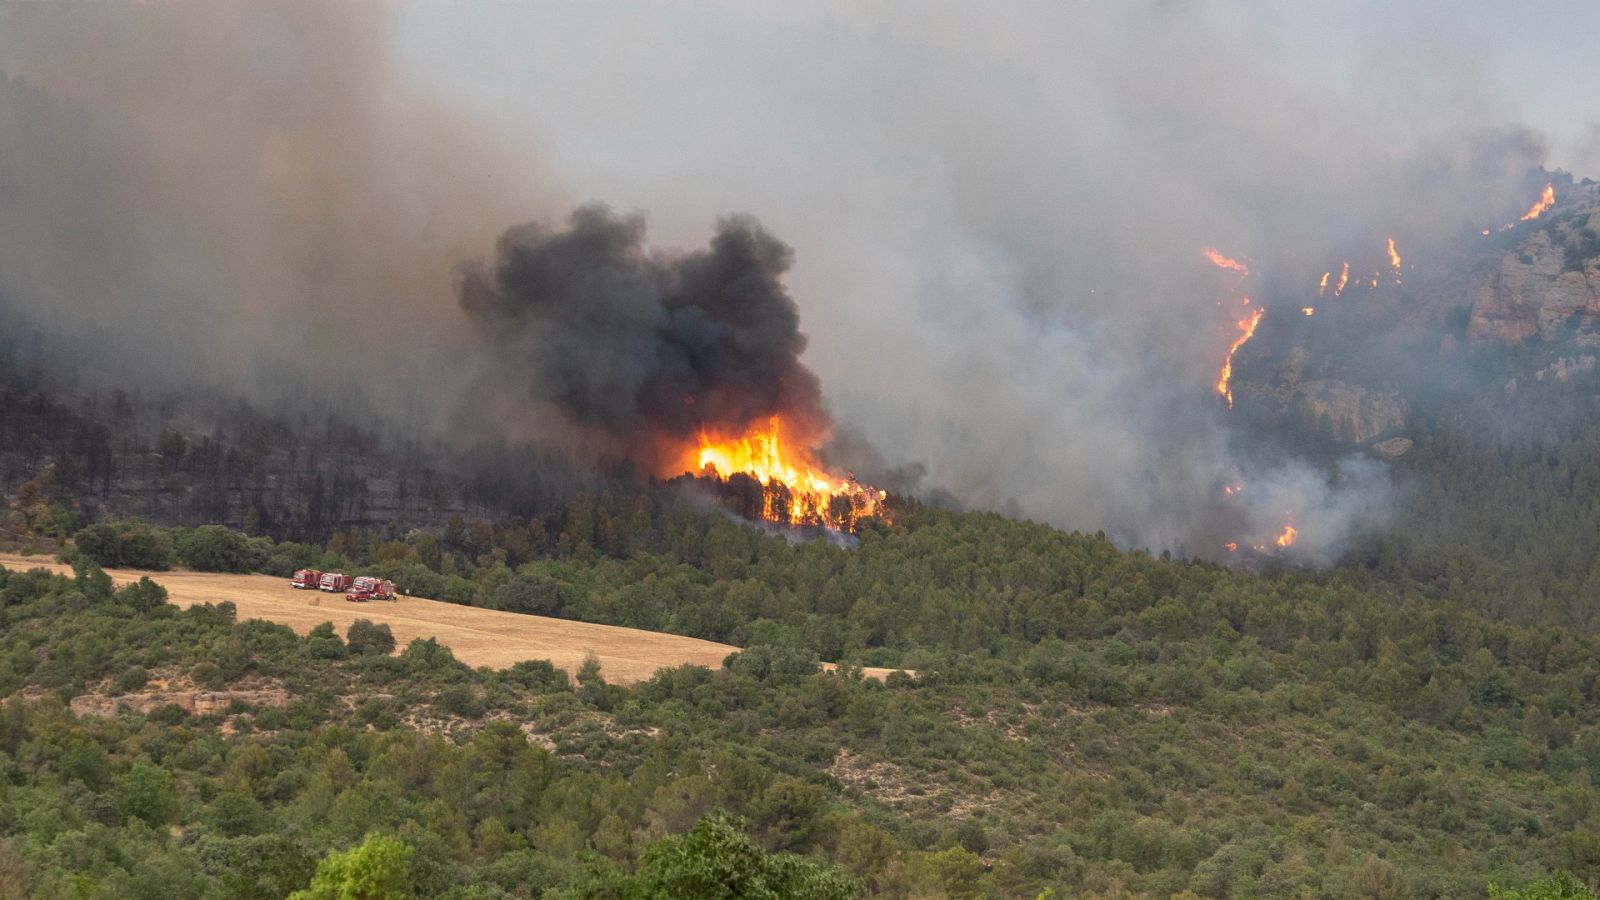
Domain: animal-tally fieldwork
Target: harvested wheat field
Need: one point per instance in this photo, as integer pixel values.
(478, 637)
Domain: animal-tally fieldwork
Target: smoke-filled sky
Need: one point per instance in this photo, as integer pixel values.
(995, 211)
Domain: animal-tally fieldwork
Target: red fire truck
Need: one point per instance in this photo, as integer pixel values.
(368, 588)
(306, 579)
(334, 582)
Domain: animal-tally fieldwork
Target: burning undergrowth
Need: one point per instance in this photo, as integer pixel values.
(679, 362)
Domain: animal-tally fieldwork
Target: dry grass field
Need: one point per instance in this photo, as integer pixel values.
(478, 637)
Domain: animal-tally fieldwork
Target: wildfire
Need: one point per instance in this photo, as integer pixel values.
(1394, 258)
(1344, 279)
(1230, 546)
(1247, 329)
(1224, 262)
(796, 490)
(1546, 200)
(1322, 285)
(1308, 311)
(1287, 538)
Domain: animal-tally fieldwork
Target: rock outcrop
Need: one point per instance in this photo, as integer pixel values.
(1347, 412)
(200, 703)
(1547, 287)
(1393, 448)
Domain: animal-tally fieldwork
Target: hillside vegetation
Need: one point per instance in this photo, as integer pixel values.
(1416, 721)
(1084, 719)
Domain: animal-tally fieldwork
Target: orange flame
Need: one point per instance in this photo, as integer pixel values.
(1394, 258)
(1223, 262)
(1230, 546)
(1287, 538)
(1247, 329)
(1546, 200)
(1308, 310)
(1323, 284)
(1344, 279)
(797, 490)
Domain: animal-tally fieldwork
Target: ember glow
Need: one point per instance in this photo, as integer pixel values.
(1546, 200)
(1224, 262)
(1247, 329)
(1308, 310)
(795, 488)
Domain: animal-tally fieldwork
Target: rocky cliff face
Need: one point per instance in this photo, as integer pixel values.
(1347, 412)
(1329, 406)
(1547, 286)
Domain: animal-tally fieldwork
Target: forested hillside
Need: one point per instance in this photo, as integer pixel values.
(1083, 719)
(1415, 721)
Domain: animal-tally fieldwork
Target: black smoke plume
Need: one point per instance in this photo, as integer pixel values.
(646, 347)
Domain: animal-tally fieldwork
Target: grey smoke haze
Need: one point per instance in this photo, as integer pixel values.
(227, 190)
(997, 215)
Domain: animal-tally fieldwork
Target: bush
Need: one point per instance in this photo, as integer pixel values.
(775, 665)
(147, 793)
(324, 643)
(208, 675)
(217, 548)
(131, 680)
(364, 637)
(460, 700)
(143, 595)
(132, 545)
(380, 867)
(539, 676)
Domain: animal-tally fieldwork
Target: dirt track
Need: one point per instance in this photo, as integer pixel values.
(478, 637)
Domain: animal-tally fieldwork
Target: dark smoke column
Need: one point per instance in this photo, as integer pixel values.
(647, 347)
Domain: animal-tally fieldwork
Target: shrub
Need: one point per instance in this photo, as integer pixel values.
(208, 675)
(365, 636)
(131, 680)
(216, 548)
(147, 793)
(133, 545)
(460, 700)
(539, 676)
(380, 867)
(324, 643)
(143, 595)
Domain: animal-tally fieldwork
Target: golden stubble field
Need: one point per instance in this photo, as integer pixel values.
(478, 637)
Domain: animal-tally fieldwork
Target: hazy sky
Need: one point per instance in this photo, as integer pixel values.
(1535, 62)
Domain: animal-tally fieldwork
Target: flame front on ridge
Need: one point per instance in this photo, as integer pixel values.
(1546, 200)
(796, 489)
(1247, 329)
(1224, 262)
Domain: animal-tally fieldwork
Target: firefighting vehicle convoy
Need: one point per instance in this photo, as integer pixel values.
(357, 590)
